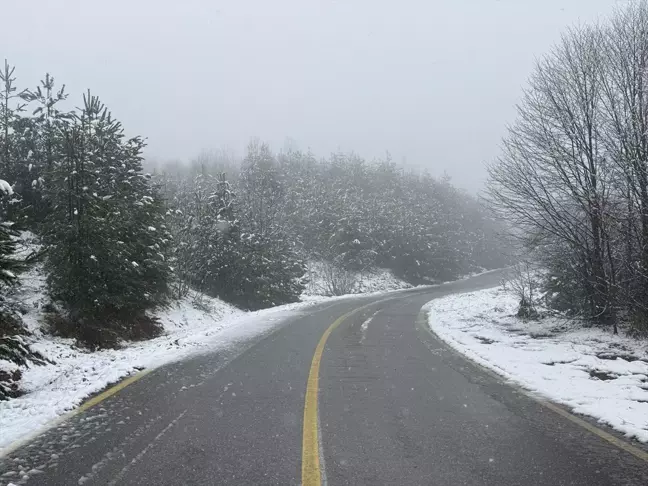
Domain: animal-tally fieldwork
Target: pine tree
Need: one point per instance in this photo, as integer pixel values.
(12, 128)
(106, 238)
(41, 146)
(9, 264)
(191, 220)
(222, 240)
(271, 272)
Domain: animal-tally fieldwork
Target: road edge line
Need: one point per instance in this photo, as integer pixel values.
(87, 404)
(422, 322)
(110, 391)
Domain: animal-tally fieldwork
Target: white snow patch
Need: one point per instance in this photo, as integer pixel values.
(369, 281)
(194, 325)
(365, 326)
(589, 370)
(5, 187)
(8, 273)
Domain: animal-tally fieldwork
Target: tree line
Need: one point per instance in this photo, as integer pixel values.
(351, 213)
(118, 242)
(573, 176)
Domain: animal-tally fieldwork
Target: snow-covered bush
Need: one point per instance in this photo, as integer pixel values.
(523, 282)
(335, 279)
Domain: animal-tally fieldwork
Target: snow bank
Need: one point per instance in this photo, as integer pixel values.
(380, 280)
(190, 327)
(591, 371)
(369, 281)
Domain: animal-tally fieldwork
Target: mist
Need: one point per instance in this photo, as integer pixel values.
(308, 242)
(432, 82)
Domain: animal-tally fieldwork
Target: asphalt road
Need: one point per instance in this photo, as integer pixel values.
(396, 406)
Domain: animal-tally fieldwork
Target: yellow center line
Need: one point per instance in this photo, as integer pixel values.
(311, 468)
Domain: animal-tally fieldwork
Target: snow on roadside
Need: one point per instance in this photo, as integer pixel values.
(190, 327)
(380, 280)
(589, 370)
(53, 390)
(369, 281)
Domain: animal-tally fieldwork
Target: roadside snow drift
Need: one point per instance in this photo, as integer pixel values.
(589, 370)
(192, 325)
(53, 390)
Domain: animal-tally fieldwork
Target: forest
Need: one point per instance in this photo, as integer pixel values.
(116, 243)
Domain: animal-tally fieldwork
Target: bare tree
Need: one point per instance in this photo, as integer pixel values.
(552, 180)
(626, 137)
(336, 279)
(522, 280)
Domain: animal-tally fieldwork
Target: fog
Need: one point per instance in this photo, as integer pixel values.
(432, 82)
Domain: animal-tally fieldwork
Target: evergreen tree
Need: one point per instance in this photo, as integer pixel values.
(191, 221)
(41, 147)
(9, 264)
(271, 272)
(222, 239)
(106, 238)
(12, 128)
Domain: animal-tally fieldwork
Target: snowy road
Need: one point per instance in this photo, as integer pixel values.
(395, 406)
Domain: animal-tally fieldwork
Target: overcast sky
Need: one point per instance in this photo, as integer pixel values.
(432, 81)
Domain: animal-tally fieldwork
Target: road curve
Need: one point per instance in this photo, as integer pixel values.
(395, 406)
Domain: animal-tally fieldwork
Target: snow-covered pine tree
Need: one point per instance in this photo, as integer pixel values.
(190, 222)
(75, 230)
(41, 146)
(270, 271)
(144, 242)
(106, 238)
(12, 126)
(221, 241)
(9, 264)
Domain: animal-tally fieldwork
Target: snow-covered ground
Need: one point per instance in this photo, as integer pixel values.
(190, 327)
(589, 370)
(369, 281)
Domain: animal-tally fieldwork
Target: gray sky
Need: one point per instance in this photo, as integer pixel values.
(432, 81)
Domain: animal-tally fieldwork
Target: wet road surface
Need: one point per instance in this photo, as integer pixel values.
(396, 406)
